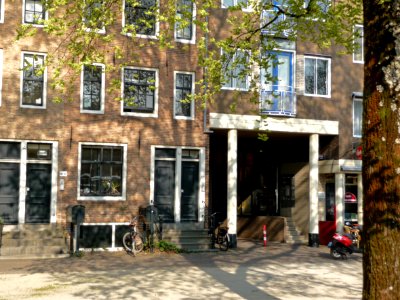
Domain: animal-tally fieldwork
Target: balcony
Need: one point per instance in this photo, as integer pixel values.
(278, 100)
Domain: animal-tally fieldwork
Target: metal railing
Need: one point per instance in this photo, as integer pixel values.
(278, 100)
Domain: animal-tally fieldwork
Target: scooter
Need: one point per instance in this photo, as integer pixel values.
(341, 246)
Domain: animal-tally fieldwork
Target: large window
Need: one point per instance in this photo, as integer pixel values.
(139, 17)
(358, 54)
(184, 27)
(92, 95)
(34, 12)
(235, 76)
(33, 80)
(140, 91)
(184, 86)
(357, 116)
(317, 76)
(93, 14)
(102, 171)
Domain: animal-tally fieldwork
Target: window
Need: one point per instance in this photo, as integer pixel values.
(140, 92)
(235, 76)
(139, 17)
(322, 4)
(1, 11)
(357, 115)
(92, 89)
(230, 3)
(93, 16)
(34, 12)
(184, 86)
(102, 172)
(184, 28)
(274, 22)
(1, 73)
(317, 76)
(33, 92)
(358, 54)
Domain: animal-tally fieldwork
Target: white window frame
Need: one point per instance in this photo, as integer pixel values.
(46, 16)
(193, 39)
(44, 81)
(102, 97)
(1, 73)
(319, 4)
(141, 114)
(361, 46)
(124, 172)
(2, 11)
(178, 173)
(97, 30)
(157, 24)
(357, 97)
(192, 110)
(235, 3)
(235, 88)
(329, 74)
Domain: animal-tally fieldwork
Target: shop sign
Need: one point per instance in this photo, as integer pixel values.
(350, 197)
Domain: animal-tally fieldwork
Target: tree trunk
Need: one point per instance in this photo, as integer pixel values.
(381, 150)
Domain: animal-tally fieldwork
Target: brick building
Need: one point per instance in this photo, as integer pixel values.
(114, 157)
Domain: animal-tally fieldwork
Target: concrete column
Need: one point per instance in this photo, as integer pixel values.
(360, 199)
(313, 237)
(339, 199)
(232, 186)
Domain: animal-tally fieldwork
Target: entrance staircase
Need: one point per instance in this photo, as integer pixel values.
(292, 234)
(33, 240)
(191, 237)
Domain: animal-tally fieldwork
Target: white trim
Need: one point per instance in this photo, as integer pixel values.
(44, 95)
(329, 74)
(192, 110)
(1, 70)
(102, 96)
(2, 11)
(46, 16)
(193, 39)
(178, 178)
(124, 172)
(154, 114)
(273, 124)
(362, 46)
(156, 29)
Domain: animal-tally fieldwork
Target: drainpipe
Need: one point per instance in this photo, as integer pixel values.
(206, 130)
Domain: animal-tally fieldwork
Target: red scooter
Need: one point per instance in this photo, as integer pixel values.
(341, 246)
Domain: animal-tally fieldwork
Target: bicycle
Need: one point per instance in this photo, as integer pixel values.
(133, 240)
(219, 234)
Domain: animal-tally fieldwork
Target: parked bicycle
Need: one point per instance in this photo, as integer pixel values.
(133, 240)
(219, 234)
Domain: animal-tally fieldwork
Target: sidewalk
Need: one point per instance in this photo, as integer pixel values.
(279, 271)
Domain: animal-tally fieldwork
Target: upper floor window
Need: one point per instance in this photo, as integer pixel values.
(92, 15)
(184, 87)
(34, 12)
(357, 115)
(33, 79)
(1, 11)
(317, 76)
(139, 17)
(323, 5)
(102, 172)
(92, 88)
(235, 76)
(274, 21)
(139, 92)
(358, 54)
(184, 27)
(230, 3)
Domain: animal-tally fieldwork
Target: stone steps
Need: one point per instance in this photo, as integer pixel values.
(292, 235)
(187, 236)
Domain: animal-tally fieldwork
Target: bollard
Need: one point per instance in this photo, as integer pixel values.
(265, 235)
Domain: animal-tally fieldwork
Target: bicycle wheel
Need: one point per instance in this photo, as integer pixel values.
(138, 244)
(127, 242)
(224, 242)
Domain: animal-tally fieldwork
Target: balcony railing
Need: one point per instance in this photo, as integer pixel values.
(278, 100)
(275, 27)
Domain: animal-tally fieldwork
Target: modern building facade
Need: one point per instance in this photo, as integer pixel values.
(114, 157)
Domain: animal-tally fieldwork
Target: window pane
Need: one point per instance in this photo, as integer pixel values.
(322, 77)
(10, 150)
(165, 153)
(309, 75)
(357, 117)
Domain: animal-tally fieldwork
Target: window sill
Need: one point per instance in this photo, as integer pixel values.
(101, 198)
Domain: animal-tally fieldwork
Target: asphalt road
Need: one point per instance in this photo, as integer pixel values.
(278, 271)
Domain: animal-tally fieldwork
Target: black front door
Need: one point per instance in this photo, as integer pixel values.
(164, 189)
(189, 195)
(38, 195)
(9, 192)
